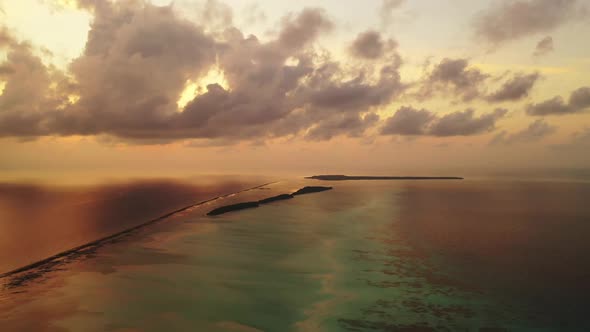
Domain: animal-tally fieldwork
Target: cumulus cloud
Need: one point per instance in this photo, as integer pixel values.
(408, 121)
(6, 38)
(138, 59)
(371, 45)
(465, 123)
(411, 121)
(458, 78)
(215, 15)
(535, 131)
(387, 9)
(455, 76)
(515, 88)
(352, 125)
(507, 20)
(580, 98)
(579, 101)
(303, 28)
(544, 46)
(31, 92)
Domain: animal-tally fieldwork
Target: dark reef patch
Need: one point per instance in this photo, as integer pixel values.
(310, 189)
(275, 198)
(253, 204)
(233, 207)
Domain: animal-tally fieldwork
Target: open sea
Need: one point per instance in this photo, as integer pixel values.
(474, 255)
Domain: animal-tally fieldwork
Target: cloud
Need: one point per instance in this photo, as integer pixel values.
(579, 101)
(31, 90)
(351, 125)
(370, 45)
(553, 106)
(215, 15)
(138, 59)
(414, 122)
(328, 93)
(535, 131)
(6, 38)
(544, 46)
(466, 123)
(453, 76)
(387, 9)
(298, 31)
(408, 121)
(513, 19)
(516, 88)
(456, 77)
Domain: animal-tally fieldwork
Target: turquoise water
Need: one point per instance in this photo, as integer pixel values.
(366, 256)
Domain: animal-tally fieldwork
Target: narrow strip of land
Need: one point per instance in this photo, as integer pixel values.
(104, 240)
(349, 178)
(255, 204)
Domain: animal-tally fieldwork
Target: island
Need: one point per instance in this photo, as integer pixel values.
(275, 198)
(348, 178)
(310, 189)
(254, 204)
(233, 207)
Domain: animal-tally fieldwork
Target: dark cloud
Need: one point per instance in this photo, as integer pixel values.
(31, 92)
(465, 123)
(356, 94)
(455, 76)
(512, 19)
(216, 11)
(387, 9)
(135, 64)
(352, 125)
(544, 46)
(6, 38)
(139, 57)
(270, 98)
(6, 70)
(535, 131)
(410, 121)
(516, 88)
(298, 31)
(579, 101)
(371, 45)
(553, 106)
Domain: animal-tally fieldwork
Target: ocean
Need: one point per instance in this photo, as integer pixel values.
(470, 255)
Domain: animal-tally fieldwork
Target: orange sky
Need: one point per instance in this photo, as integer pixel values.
(133, 88)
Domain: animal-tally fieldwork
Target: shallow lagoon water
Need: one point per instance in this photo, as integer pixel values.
(366, 256)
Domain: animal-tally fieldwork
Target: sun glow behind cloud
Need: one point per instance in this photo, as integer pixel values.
(195, 88)
(58, 26)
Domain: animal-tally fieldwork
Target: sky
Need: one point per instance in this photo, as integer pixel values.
(160, 87)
